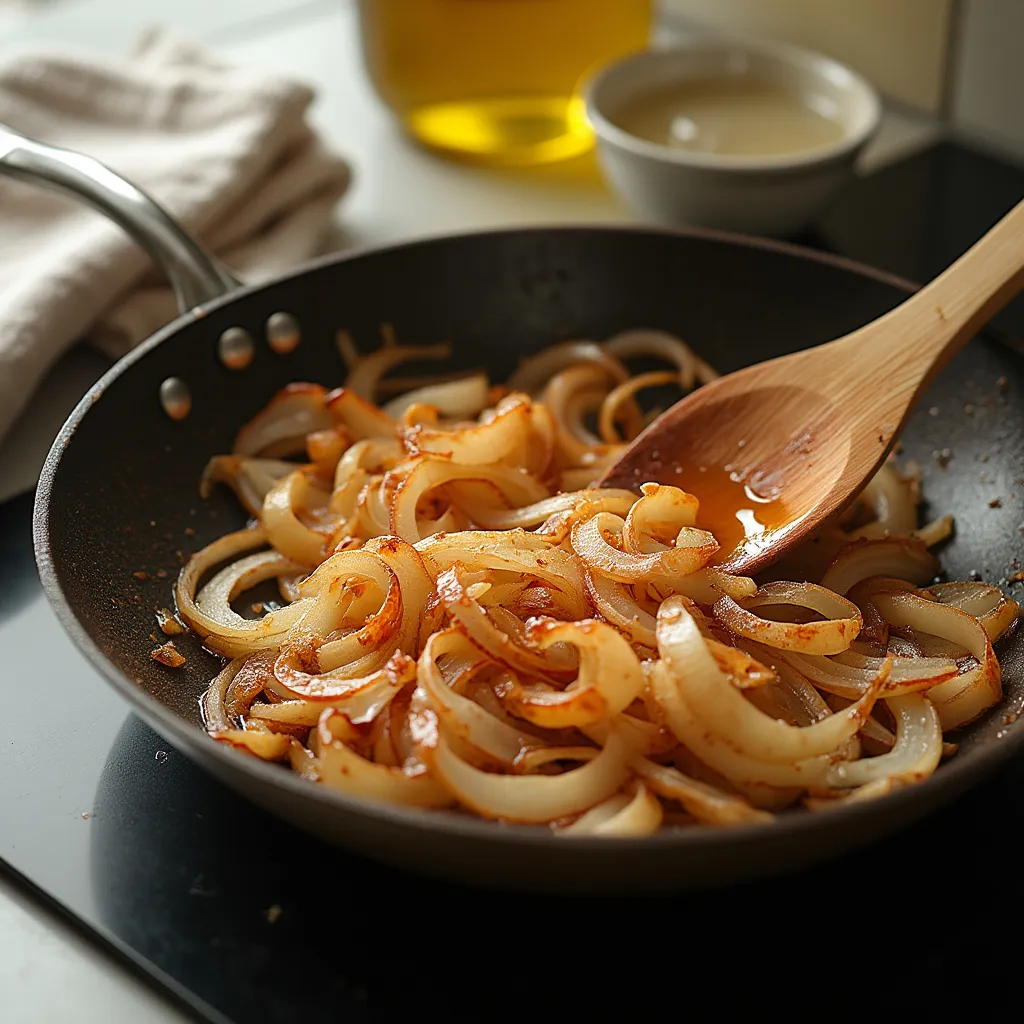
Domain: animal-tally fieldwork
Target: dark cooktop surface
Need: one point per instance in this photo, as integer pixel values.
(244, 919)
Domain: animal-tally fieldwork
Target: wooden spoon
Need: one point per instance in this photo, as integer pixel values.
(775, 449)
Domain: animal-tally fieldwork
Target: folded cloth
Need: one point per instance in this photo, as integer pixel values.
(226, 149)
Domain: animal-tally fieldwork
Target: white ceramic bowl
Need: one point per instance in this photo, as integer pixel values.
(765, 195)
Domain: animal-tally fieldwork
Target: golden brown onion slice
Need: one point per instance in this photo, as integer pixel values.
(535, 371)
(249, 478)
(487, 442)
(637, 814)
(464, 718)
(965, 697)
(341, 768)
(221, 628)
(988, 604)
(608, 681)
(720, 753)
(915, 754)
(525, 798)
(905, 558)
(840, 627)
(705, 802)
(365, 375)
(693, 549)
(298, 492)
(728, 713)
(282, 425)
(362, 419)
(459, 398)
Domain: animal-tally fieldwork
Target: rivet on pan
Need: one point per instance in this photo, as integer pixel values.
(175, 398)
(282, 332)
(236, 348)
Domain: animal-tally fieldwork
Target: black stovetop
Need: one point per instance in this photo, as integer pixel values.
(244, 919)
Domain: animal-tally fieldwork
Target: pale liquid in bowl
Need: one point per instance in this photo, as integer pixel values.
(731, 115)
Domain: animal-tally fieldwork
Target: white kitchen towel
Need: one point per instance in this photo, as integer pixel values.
(226, 149)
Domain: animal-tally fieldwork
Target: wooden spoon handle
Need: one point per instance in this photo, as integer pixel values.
(934, 324)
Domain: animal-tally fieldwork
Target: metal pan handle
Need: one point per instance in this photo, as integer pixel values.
(195, 275)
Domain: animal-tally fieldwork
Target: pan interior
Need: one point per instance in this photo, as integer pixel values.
(125, 511)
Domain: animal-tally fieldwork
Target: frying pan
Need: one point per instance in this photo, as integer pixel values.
(118, 493)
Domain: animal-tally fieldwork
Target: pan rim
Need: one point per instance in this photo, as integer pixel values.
(955, 777)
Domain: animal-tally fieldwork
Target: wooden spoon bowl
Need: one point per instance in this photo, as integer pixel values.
(775, 449)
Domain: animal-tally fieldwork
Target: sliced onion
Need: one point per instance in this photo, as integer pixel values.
(365, 375)
(707, 585)
(646, 342)
(893, 501)
(726, 711)
(514, 551)
(608, 682)
(988, 604)
(464, 718)
(901, 557)
(703, 801)
(851, 675)
(620, 815)
(372, 455)
(473, 621)
(221, 628)
(935, 532)
(615, 602)
(535, 371)
(569, 396)
(267, 746)
(650, 739)
(621, 399)
(212, 703)
(250, 479)
(554, 515)
(360, 699)
(424, 473)
(719, 752)
(526, 798)
(962, 699)
(840, 627)
(915, 754)
(744, 671)
(285, 530)
(501, 436)
(284, 422)
(460, 398)
(654, 522)
(372, 515)
(343, 769)
(693, 548)
(362, 419)
(341, 581)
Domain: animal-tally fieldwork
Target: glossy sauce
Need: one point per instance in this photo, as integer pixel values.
(732, 115)
(731, 509)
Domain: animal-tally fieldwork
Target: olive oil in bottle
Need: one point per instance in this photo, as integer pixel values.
(496, 80)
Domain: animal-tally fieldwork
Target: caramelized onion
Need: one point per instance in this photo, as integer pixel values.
(458, 399)
(250, 479)
(535, 371)
(726, 710)
(282, 426)
(526, 798)
(469, 620)
(906, 558)
(830, 636)
(693, 548)
(638, 814)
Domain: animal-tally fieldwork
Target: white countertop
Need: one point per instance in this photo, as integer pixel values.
(47, 972)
